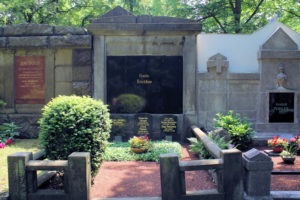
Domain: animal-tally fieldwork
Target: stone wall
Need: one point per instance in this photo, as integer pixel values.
(220, 93)
(68, 67)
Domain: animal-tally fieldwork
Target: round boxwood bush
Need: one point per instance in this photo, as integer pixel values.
(75, 124)
(128, 103)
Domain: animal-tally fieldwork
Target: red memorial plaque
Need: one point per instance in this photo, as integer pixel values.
(30, 79)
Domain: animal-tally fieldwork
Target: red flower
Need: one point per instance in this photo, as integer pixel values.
(2, 145)
(293, 140)
(284, 139)
(147, 138)
(299, 147)
(275, 137)
(9, 141)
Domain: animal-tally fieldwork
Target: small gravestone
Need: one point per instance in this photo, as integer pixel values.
(168, 124)
(281, 107)
(143, 124)
(119, 127)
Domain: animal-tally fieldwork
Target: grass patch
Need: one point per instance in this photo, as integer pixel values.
(19, 145)
(120, 151)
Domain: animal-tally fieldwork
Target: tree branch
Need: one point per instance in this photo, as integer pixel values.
(291, 12)
(222, 27)
(231, 5)
(255, 11)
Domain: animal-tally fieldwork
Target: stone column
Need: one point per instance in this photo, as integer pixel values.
(17, 178)
(257, 175)
(79, 176)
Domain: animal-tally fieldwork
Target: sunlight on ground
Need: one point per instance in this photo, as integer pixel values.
(20, 145)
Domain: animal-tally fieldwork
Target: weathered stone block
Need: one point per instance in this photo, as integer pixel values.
(64, 30)
(81, 88)
(63, 57)
(28, 123)
(257, 174)
(79, 176)
(17, 175)
(30, 41)
(169, 174)
(3, 42)
(82, 73)
(71, 41)
(242, 101)
(63, 88)
(280, 40)
(82, 57)
(27, 29)
(63, 74)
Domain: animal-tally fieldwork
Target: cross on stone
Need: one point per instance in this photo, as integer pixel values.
(218, 61)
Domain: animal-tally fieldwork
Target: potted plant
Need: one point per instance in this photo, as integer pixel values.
(140, 144)
(295, 144)
(277, 143)
(288, 155)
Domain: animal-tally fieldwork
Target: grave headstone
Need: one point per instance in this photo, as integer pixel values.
(168, 124)
(281, 107)
(119, 127)
(143, 124)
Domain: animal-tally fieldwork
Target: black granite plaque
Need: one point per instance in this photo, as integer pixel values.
(281, 107)
(143, 124)
(157, 80)
(168, 124)
(119, 126)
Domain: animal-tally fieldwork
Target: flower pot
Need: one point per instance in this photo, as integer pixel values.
(289, 160)
(138, 151)
(277, 149)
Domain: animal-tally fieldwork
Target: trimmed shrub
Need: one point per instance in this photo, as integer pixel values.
(75, 124)
(128, 103)
(240, 130)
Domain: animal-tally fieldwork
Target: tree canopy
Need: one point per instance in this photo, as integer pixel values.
(220, 16)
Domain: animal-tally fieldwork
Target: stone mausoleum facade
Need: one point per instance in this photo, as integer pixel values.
(177, 75)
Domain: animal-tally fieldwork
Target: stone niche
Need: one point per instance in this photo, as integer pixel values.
(152, 60)
(278, 109)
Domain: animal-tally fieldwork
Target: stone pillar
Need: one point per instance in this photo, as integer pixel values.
(233, 174)
(79, 176)
(170, 176)
(257, 175)
(17, 175)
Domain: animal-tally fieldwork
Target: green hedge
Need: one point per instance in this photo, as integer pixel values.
(75, 124)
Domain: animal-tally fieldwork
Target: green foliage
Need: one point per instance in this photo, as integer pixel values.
(120, 151)
(240, 130)
(2, 103)
(243, 16)
(197, 146)
(8, 131)
(75, 124)
(128, 103)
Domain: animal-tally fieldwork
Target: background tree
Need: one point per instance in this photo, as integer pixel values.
(221, 16)
(243, 16)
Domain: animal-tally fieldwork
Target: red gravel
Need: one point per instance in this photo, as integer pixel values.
(285, 182)
(138, 179)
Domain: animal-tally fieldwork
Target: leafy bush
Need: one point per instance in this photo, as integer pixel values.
(197, 146)
(8, 131)
(75, 124)
(120, 151)
(240, 130)
(128, 103)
